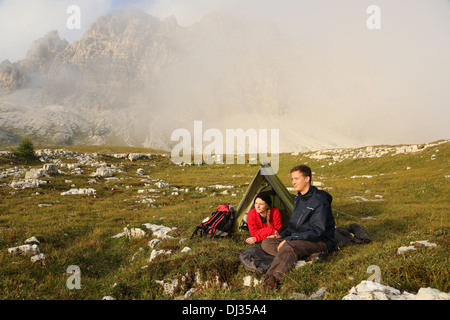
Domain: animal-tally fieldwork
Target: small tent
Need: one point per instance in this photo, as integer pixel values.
(266, 181)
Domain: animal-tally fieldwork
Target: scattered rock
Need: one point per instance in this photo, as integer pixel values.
(27, 184)
(154, 243)
(37, 257)
(134, 233)
(171, 287)
(319, 294)
(51, 168)
(369, 290)
(249, 281)
(26, 249)
(162, 185)
(75, 191)
(159, 231)
(103, 172)
(32, 239)
(156, 253)
(35, 174)
(413, 244)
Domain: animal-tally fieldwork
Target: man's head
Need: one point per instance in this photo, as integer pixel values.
(301, 178)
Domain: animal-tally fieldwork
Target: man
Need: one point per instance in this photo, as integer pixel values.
(311, 228)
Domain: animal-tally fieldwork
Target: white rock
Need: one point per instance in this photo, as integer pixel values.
(119, 235)
(402, 250)
(26, 249)
(156, 253)
(28, 184)
(140, 171)
(107, 298)
(32, 239)
(319, 293)
(368, 290)
(34, 174)
(431, 294)
(75, 191)
(154, 243)
(162, 185)
(186, 249)
(135, 156)
(51, 168)
(249, 281)
(424, 242)
(103, 172)
(159, 231)
(37, 257)
(134, 233)
(302, 263)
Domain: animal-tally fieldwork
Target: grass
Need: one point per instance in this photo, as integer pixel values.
(77, 230)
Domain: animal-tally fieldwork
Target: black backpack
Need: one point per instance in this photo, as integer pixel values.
(220, 224)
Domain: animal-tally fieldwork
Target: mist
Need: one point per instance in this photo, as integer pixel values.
(318, 73)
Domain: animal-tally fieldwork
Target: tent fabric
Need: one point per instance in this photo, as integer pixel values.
(266, 181)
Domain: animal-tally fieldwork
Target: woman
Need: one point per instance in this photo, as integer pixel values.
(263, 220)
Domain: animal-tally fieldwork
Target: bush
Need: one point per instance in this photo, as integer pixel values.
(25, 150)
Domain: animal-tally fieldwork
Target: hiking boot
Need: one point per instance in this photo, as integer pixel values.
(270, 282)
(317, 257)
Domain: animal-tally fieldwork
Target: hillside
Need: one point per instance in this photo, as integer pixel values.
(399, 194)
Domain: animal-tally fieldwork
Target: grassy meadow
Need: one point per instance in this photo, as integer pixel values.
(408, 200)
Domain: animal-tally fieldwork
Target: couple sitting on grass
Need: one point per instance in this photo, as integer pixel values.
(310, 230)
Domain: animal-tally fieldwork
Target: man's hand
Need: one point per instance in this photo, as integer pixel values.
(281, 244)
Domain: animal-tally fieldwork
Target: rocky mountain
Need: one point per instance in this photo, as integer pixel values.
(133, 78)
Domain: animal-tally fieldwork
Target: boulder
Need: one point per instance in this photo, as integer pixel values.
(88, 192)
(26, 249)
(104, 172)
(34, 174)
(51, 168)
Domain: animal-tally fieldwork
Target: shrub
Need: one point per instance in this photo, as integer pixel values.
(25, 150)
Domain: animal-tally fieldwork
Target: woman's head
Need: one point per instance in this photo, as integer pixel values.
(262, 202)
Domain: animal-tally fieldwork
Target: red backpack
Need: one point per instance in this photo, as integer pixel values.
(220, 224)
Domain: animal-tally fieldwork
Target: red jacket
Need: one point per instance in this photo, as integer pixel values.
(261, 231)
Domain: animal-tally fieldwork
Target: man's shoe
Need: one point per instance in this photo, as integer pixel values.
(317, 257)
(270, 282)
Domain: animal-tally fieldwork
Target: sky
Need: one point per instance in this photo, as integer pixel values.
(405, 61)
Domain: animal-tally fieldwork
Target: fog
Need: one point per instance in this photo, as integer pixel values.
(335, 76)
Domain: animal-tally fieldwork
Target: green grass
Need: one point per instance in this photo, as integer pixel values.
(77, 230)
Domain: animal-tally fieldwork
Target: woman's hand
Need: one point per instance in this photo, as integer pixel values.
(275, 235)
(250, 240)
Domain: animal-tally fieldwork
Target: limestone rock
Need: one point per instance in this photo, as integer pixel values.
(75, 191)
(12, 77)
(154, 243)
(26, 249)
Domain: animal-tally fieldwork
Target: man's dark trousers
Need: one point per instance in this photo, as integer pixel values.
(289, 254)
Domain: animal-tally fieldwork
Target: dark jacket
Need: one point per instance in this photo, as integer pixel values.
(312, 219)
